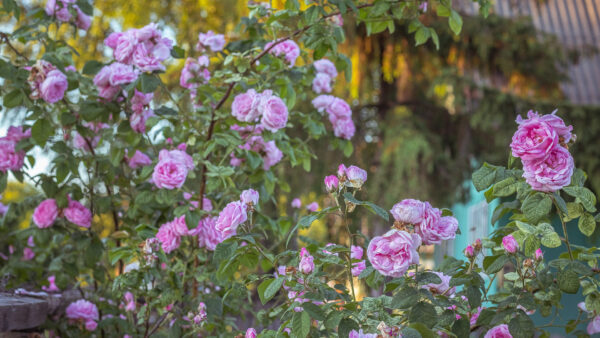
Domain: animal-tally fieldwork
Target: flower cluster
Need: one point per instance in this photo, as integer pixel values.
(306, 265)
(10, 157)
(110, 79)
(210, 40)
(235, 213)
(250, 106)
(170, 233)
(339, 113)
(144, 48)
(356, 252)
(61, 9)
(46, 213)
(542, 144)
(268, 150)
(172, 169)
(325, 73)
(352, 176)
(140, 106)
(46, 82)
(427, 220)
(85, 312)
(287, 48)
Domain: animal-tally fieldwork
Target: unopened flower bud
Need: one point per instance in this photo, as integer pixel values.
(469, 252)
(539, 255)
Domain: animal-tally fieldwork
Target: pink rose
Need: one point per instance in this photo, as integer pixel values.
(83, 311)
(139, 160)
(125, 47)
(441, 288)
(210, 40)
(322, 102)
(28, 254)
(563, 131)
(177, 156)
(499, 331)
(341, 172)
(331, 183)
(594, 325)
(356, 252)
(77, 214)
(326, 67)
(339, 108)
(312, 207)
(129, 301)
(10, 159)
(393, 253)
(250, 333)
(361, 334)
(109, 79)
(551, 173)
(16, 133)
(50, 7)
(475, 316)
(208, 236)
(54, 86)
(245, 106)
(82, 21)
(172, 168)
(122, 74)
(321, 83)
(539, 255)
(45, 214)
(408, 211)
(112, 39)
(358, 267)
(469, 252)
(434, 228)
(510, 244)
(169, 236)
(274, 113)
(534, 139)
(343, 127)
(230, 218)
(272, 155)
(194, 72)
(288, 49)
(306, 264)
(296, 203)
(249, 196)
(356, 176)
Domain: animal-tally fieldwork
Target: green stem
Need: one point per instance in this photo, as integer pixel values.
(564, 226)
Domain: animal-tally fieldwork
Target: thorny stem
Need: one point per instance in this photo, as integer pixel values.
(4, 38)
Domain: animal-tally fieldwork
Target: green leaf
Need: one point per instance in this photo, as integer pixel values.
(149, 83)
(550, 238)
(92, 67)
(314, 311)
(421, 36)
(484, 177)
(443, 11)
(85, 7)
(41, 131)
(455, 22)
(346, 325)
(461, 328)
(371, 206)
(177, 52)
(506, 187)
(568, 281)
(587, 224)
(13, 98)
(422, 331)
(405, 298)
(301, 324)
(493, 264)
(521, 326)
(536, 206)
(424, 313)
(428, 277)
(584, 196)
(562, 205)
(90, 110)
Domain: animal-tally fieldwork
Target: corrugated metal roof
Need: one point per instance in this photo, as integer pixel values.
(576, 24)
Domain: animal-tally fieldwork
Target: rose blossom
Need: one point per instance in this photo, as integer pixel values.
(129, 301)
(10, 158)
(441, 288)
(77, 214)
(408, 211)
(356, 252)
(534, 138)
(140, 105)
(194, 72)
(321, 102)
(552, 173)
(215, 42)
(539, 255)
(361, 334)
(288, 48)
(434, 228)
(169, 236)
(85, 311)
(321, 83)
(230, 218)
(138, 160)
(594, 326)
(499, 331)
(563, 131)
(245, 106)
(306, 264)
(172, 168)
(272, 155)
(326, 67)
(16, 133)
(82, 21)
(249, 196)
(331, 183)
(343, 127)
(469, 252)
(312, 207)
(54, 86)
(111, 77)
(356, 176)
(45, 214)
(474, 316)
(274, 113)
(250, 333)
(339, 108)
(341, 172)
(28, 254)
(392, 253)
(296, 203)
(208, 236)
(510, 244)
(358, 267)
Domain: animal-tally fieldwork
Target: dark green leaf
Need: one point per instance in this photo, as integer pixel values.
(423, 313)
(493, 264)
(587, 224)
(536, 206)
(149, 83)
(301, 324)
(568, 281)
(314, 311)
(347, 325)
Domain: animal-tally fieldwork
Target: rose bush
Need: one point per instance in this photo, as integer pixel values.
(124, 147)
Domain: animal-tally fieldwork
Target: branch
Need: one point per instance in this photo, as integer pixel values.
(4, 38)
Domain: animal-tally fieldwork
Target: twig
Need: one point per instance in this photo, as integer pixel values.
(4, 38)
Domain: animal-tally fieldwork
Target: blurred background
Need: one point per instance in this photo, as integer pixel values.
(425, 118)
